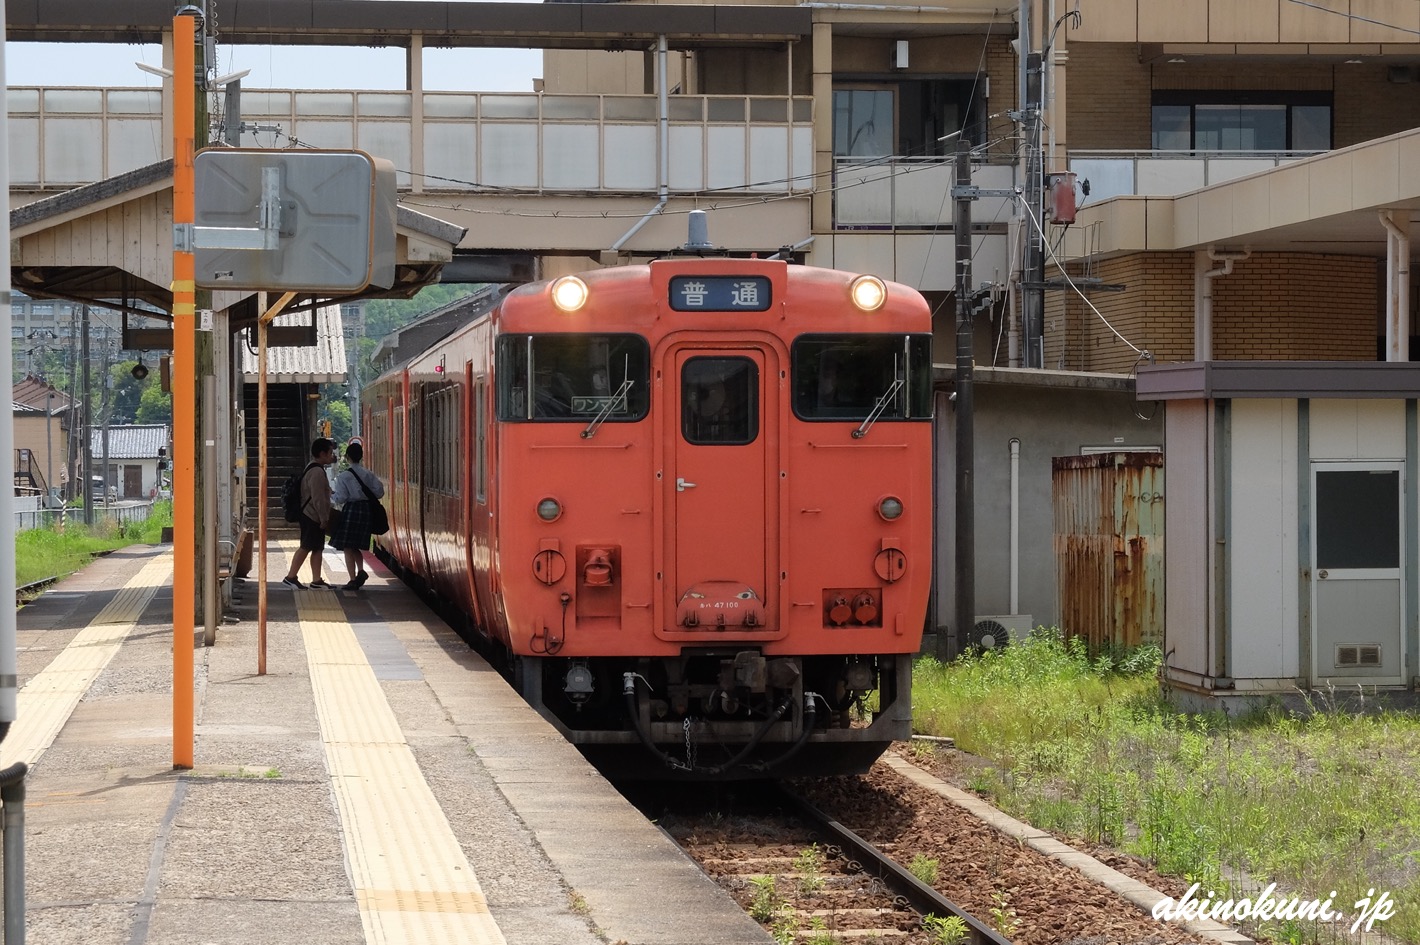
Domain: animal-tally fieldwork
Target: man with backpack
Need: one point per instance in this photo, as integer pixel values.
(313, 513)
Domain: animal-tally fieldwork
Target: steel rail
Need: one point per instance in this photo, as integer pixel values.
(918, 894)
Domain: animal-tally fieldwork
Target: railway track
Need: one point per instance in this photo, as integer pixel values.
(808, 878)
(848, 866)
(25, 593)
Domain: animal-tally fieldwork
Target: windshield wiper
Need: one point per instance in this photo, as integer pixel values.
(878, 409)
(615, 400)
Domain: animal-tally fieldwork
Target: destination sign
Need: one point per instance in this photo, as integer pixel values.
(720, 293)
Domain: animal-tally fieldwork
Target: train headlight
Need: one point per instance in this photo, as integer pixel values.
(569, 293)
(549, 509)
(868, 293)
(890, 508)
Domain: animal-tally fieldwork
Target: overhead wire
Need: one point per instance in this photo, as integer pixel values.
(1356, 16)
(961, 132)
(1071, 282)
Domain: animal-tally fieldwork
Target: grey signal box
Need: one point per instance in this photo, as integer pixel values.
(303, 221)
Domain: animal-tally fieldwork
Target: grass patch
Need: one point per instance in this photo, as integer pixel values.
(1318, 801)
(42, 553)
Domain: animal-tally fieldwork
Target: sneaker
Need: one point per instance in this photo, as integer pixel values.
(350, 586)
(293, 582)
(319, 583)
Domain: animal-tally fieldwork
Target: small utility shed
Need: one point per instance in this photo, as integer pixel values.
(1293, 559)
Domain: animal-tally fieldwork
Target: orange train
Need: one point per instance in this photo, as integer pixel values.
(689, 505)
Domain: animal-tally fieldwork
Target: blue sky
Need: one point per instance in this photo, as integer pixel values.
(277, 67)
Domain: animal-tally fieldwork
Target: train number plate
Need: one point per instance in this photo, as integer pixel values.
(720, 293)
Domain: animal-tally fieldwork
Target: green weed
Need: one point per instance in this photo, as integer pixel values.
(947, 930)
(809, 865)
(924, 868)
(766, 904)
(42, 553)
(1003, 917)
(1084, 745)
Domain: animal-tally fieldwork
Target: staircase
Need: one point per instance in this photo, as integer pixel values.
(29, 478)
(288, 447)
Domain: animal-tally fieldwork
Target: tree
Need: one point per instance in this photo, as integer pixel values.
(127, 392)
(155, 406)
(338, 413)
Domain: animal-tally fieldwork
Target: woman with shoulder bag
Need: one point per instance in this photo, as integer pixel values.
(358, 492)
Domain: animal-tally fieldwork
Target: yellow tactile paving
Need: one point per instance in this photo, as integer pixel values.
(412, 881)
(47, 700)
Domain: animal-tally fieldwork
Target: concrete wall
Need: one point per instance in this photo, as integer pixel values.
(1245, 21)
(1110, 89)
(1049, 422)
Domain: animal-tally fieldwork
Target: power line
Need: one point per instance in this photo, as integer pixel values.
(1071, 282)
(1357, 16)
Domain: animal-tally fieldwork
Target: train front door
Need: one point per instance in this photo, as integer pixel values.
(723, 484)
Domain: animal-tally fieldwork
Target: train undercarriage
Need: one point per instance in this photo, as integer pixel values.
(724, 713)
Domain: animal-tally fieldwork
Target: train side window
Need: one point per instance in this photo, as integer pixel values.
(573, 378)
(719, 401)
(842, 377)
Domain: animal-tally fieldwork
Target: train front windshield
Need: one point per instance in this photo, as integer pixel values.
(845, 377)
(573, 377)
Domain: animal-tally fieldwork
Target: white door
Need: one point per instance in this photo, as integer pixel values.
(1358, 586)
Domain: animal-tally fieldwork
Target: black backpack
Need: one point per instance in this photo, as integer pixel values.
(291, 496)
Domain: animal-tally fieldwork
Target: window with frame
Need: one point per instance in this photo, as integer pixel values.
(719, 401)
(441, 421)
(843, 377)
(573, 378)
(1211, 120)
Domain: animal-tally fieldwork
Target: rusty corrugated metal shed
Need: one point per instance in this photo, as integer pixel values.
(1109, 546)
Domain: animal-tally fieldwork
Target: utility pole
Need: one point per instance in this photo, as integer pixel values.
(1033, 273)
(86, 488)
(965, 570)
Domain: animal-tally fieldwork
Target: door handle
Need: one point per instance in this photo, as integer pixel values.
(681, 485)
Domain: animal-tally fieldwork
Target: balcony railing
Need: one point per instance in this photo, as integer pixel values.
(912, 193)
(466, 141)
(1167, 173)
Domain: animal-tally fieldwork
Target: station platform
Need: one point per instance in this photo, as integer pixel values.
(379, 784)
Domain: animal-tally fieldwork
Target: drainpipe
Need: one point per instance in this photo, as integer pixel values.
(1015, 526)
(664, 121)
(1397, 281)
(1203, 295)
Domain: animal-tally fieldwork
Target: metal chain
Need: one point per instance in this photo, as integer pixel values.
(689, 745)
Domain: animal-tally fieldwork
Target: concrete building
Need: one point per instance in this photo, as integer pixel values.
(43, 418)
(138, 457)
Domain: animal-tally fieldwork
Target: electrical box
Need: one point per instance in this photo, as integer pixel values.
(1060, 197)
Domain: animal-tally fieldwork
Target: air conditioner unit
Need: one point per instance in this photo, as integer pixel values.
(993, 631)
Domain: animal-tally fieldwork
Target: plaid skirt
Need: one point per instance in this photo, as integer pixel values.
(353, 530)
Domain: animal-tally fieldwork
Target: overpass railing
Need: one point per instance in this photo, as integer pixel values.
(443, 141)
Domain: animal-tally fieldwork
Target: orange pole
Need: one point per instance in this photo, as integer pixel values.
(261, 480)
(184, 397)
